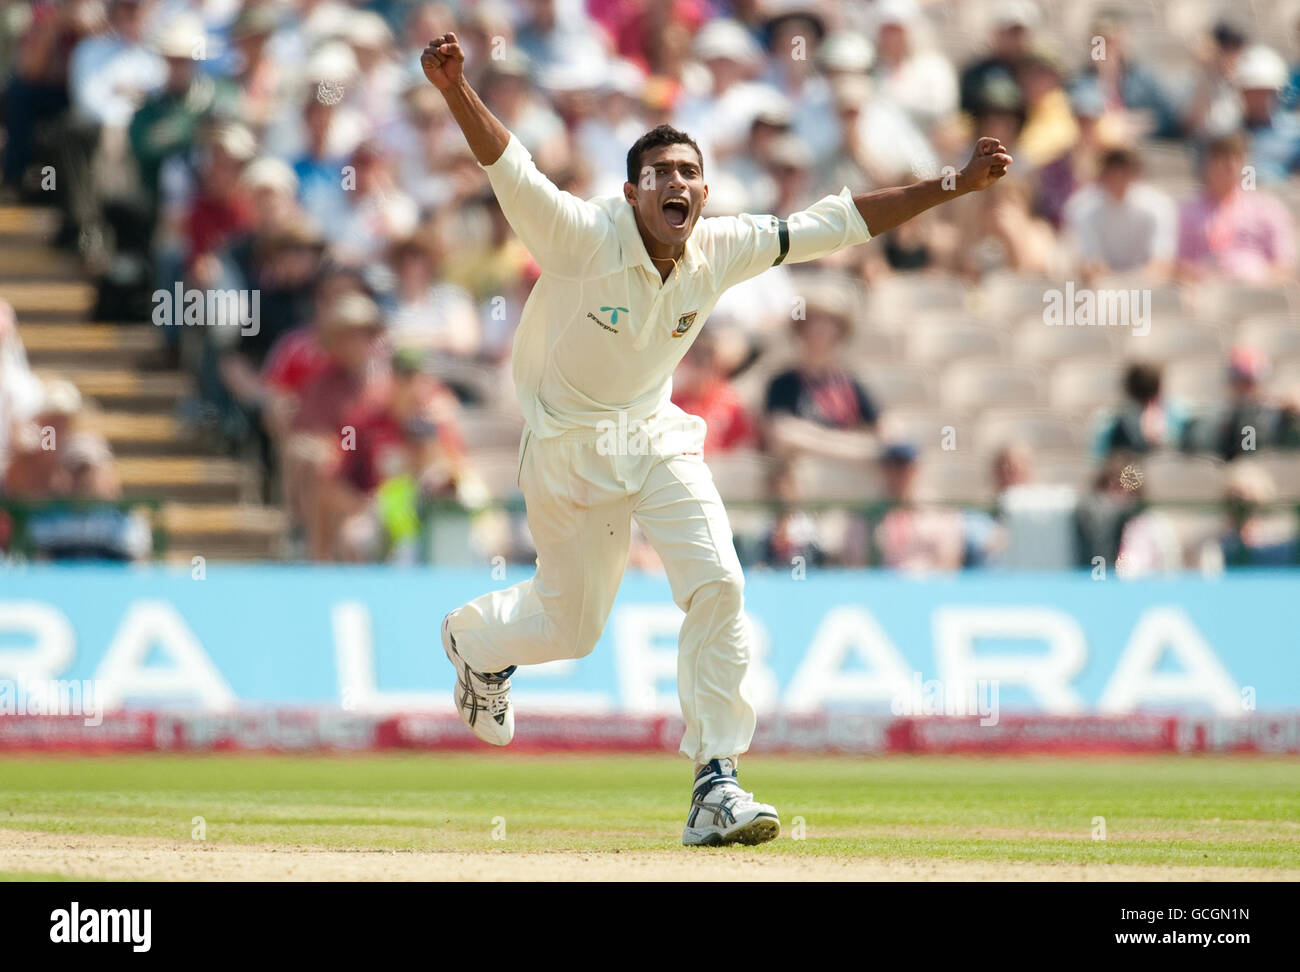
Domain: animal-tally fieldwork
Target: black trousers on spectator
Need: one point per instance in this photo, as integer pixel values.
(26, 107)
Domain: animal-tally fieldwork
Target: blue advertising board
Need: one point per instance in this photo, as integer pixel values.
(367, 639)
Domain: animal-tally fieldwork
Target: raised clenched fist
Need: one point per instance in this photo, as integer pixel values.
(443, 61)
(987, 165)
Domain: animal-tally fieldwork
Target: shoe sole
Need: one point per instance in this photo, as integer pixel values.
(758, 831)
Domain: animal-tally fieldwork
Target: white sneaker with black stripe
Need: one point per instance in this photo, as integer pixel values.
(723, 813)
(483, 700)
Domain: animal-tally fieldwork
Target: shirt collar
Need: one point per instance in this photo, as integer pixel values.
(634, 251)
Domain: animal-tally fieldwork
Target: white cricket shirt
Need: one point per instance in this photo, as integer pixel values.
(601, 332)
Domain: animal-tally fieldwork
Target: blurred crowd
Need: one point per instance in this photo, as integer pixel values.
(293, 149)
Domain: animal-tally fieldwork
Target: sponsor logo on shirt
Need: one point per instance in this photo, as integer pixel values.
(613, 319)
(684, 324)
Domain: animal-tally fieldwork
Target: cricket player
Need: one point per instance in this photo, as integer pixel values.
(626, 284)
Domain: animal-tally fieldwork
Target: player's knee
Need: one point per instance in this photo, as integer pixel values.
(725, 594)
(572, 637)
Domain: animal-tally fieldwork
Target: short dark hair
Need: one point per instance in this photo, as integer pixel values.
(1142, 382)
(657, 138)
(1233, 143)
(1120, 157)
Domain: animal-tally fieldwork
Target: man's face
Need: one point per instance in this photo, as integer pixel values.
(670, 193)
(1116, 181)
(1222, 170)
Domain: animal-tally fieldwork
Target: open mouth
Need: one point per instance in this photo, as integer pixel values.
(676, 211)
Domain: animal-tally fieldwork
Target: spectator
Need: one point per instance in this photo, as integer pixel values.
(1145, 421)
(1013, 22)
(1035, 520)
(168, 122)
(407, 447)
(259, 75)
(998, 231)
(374, 212)
(94, 524)
(1274, 134)
(428, 313)
(350, 336)
(221, 210)
(915, 536)
(1254, 536)
(701, 387)
(1215, 106)
(1050, 130)
(1229, 232)
(36, 470)
(20, 390)
(1120, 225)
(111, 73)
(1117, 530)
(1124, 84)
(920, 81)
(818, 406)
(38, 89)
(721, 117)
(1251, 419)
(794, 535)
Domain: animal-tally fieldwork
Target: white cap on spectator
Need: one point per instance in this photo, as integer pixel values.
(851, 91)
(726, 40)
(86, 449)
(727, 196)
(791, 151)
(59, 397)
(352, 310)
(183, 36)
(582, 75)
(625, 78)
(269, 172)
(1261, 67)
(235, 140)
(904, 12)
(332, 61)
(846, 50)
(367, 29)
(1016, 13)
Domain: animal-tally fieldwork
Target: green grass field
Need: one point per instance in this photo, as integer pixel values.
(1162, 812)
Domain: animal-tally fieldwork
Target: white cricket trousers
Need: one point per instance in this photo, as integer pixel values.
(580, 507)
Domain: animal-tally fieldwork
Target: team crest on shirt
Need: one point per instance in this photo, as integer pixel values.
(684, 323)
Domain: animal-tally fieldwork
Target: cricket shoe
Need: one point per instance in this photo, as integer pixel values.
(723, 813)
(483, 700)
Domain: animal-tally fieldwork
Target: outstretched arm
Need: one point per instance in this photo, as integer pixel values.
(561, 231)
(751, 244)
(444, 63)
(885, 209)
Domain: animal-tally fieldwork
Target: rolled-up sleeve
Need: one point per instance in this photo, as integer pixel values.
(561, 231)
(751, 244)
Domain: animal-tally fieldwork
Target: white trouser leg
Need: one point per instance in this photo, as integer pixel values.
(581, 528)
(682, 515)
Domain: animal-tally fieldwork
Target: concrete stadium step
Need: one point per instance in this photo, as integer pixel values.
(221, 550)
(220, 530)
(185, 479)
(124, 390)
(141, 433)
(32, 223)
(51, 300)
(24, 262)
(99, 344)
